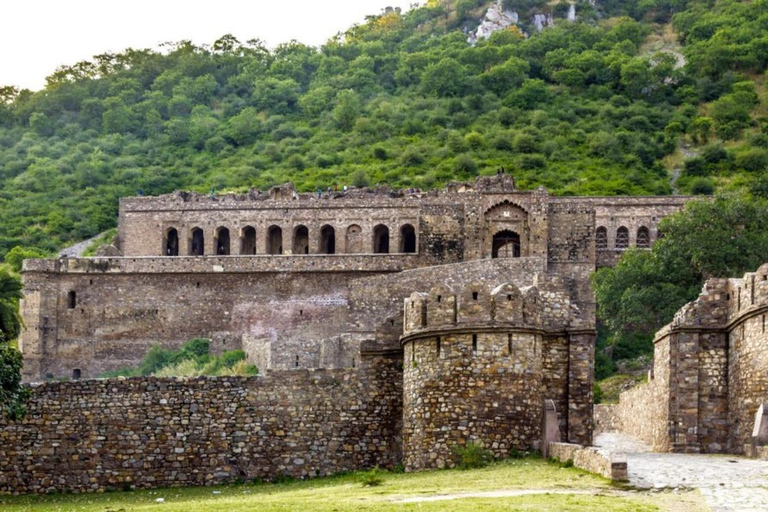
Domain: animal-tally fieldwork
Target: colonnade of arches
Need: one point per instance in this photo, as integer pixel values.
(621, 241)
(352, 241)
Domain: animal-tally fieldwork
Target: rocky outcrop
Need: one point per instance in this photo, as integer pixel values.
(497, 18)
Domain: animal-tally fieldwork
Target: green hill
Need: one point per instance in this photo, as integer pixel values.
(597, 106)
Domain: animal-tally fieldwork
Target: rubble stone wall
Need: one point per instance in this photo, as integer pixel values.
(98, 435)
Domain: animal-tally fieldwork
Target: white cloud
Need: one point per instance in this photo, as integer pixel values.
(40, 35)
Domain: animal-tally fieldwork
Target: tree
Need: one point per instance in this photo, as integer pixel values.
(720, 238)
(505, 77)
(446, 78)
(347, 110)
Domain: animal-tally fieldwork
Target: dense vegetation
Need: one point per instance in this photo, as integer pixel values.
(721, 238)
(582, 108)
(193, 359)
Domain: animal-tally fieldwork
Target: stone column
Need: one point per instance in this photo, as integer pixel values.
(581, 376)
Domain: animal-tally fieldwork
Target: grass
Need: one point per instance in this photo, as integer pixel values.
(568, 488)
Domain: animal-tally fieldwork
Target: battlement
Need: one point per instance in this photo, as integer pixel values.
(544, 306)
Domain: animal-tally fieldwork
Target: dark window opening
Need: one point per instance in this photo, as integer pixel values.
(392, 323)
(248, 243)
(327, 240)
(509, 297)
(439, 345)
(601, 238)
(643, 237)
(506, 244)
(297, 361)
(353, 362)
(76, 374)
(763, 323)
(91, 281)
(474, 295)
(407, 239)
(301, 312)
(301, 240)
(198, 284)
(622, 238)
(275, 240)
(439, 298)
(222, 242)
(197, 243)
(71, 299)
(381, 239)
(509, 344)
(172, 243)
(474, 344)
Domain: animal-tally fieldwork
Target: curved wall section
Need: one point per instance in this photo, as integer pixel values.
(479, 387)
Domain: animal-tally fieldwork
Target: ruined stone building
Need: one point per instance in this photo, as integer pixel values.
(710, 373)
(464, 308)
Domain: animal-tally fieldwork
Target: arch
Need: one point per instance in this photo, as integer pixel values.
(222, 241)
(643, 237)
(407, 239)
(513, 211)
(301, 239)
(327, 240)
(197, 242)
(506, 244)
(248, 240)
(601, 238)
(275, 240)
(622, 238)
(381, 239)
(354, 240)
(171, 242)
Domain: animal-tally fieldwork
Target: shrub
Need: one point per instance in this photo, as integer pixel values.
(702, 187)
(464, 164)
(471, 456)
(372, 478)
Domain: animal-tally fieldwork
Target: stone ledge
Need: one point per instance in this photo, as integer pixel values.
(594, 460)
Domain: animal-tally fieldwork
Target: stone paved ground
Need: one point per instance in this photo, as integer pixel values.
(727, 483)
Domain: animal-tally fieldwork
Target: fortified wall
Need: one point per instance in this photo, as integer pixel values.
(710, 372)
(301, 281)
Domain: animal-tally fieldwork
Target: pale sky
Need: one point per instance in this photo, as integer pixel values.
(37, 36)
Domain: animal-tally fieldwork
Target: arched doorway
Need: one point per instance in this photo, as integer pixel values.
(248, 241)
(222, 242)
(197, 243)
(506, 244)
(407, 239)
(381, 239)
(327, 240)
(275, 240)
(301, 240)
(171, 243)
(601, 238)
(643, 237)
(622, 238)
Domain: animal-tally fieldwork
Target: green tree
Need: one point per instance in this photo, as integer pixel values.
(446, 78)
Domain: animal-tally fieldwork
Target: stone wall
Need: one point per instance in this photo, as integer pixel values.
(710, 372)
(594, 460)
(98, 435)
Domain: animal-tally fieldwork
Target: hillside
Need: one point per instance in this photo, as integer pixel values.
(601, 105)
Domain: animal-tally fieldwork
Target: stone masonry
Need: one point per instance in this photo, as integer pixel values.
(710, 373)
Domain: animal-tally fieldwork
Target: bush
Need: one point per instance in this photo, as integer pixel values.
(464, 164)
(372, 478)
(471, 456)
(702, 187)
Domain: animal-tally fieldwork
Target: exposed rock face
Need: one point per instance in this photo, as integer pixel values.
(540, 21)
(497, 18)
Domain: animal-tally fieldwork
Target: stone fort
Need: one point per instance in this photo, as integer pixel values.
(388, 327)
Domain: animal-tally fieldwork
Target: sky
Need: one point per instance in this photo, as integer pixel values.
(40, 35)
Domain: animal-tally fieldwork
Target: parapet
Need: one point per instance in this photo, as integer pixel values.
(543, 306)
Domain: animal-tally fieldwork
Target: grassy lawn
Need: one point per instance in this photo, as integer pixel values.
(567, 488)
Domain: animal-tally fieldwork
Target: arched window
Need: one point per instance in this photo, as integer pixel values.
(222, 242)
(301, 240)
(407, 239)
(506, 244)
(354, 240)
(71, 299)
(274, 240)
(643, 237)
(197, 243)
(601, 238)
(622, 238)
(248, 241)
(327, 240)
(171, 247)
(381, 239)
